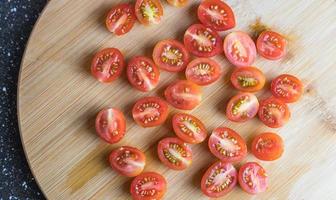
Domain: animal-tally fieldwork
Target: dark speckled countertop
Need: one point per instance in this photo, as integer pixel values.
(17, 18)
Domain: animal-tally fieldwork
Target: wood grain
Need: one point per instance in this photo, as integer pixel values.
(58, 100)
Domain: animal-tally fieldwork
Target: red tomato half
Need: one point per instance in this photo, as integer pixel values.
(120, 19)
(150, 111)
(202, 41)
(253, 178)
(128, 161)
(189, 128)
(287, 88)
(107, 65)
(174, 153)
(248, 79)
(227, 145)
(148, 186)
(178, 3)
(273, 113)
(148, 11)
(267, 146)
(111, 125)
(271, 45)
(240, 49)
(183, 95)
(143, 74)
(171, 55)
(242, 107)
(219, 179)
(216, 14)
(203, 71)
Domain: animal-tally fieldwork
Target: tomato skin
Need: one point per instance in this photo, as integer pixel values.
(107, 65)
(242, 107)
(231, 179)
(203, 71)
(227, 19)
(273, 112)
(127, 161)
(240, 43)
(111, 125)
(259, 176)
(178, 3)
(287, 88)
(120, 19)
(267, 146)
(248, 79)
(171, 47)
(154, 182)
(156, 11)
(271, 45)
(183, 125)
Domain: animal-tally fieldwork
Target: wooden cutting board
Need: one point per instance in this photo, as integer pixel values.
(58, 100)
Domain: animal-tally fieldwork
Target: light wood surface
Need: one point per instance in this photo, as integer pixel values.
(58, 101)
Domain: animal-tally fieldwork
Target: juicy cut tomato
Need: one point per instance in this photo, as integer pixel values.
(178, 3)
(287, 88)
(271, 45)
(252, 178)
(267, 146)
(242, 107)
(203, 71)
(148, 11)
(148, 186)
(248, 79)
(273, 112)
(120, 19)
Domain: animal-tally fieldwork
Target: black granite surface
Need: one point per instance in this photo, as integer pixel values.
(17, 18)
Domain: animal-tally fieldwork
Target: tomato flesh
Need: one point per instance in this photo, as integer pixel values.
(227, 145)
(219, 179)
(242, 107)
(189, 128)
(273, 112)
(178, 3)
(248, 79)
(111, 125)
(148, 186)
(287, 88)
(120, 19)
(203, 71)
(107, 65)
(148, 11)
(252, 178)
(271, 45)
(174, 153)
(267, 146)
(216, 14)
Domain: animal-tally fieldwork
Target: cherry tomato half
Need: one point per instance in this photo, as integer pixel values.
(150, 111)
(202, 41)
(189, 128)
(242, 107)
(143, 74)
(178, 3)
(287, 88)
(216, 14)
(267, 146)
(183, 95)
(148, 11)
(171, 55)
(273, 112)
(120, 19)
(203, 71)
(148, 186)
(219, 179)
(240, 49)
(174, 153)
(128, 161)
(248, 79)
(227, 145)
(111, 125)
(252, 178)
(107, 65)
(271, 45)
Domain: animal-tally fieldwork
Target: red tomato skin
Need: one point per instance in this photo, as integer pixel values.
(252, 112)
(264, 49)
(277, 146)
(155, 4)
(203, 80)
(160, 181)
(287, 79)
(271, 102)
(251, 72)
(262, 180)
(126, 27)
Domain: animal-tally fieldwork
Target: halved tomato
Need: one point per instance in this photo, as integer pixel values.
(189, 128)
(111, 125)
(227, 145)
(202, 41)
(252, 178)
(171, 55)
(240, 49)
(242, 107)
(267, 146)
(107, 65)
(216, 14)
(248, 79)
(148, 11)
(174, 153)
(120, 19)
(148, 186)
(143, 74)
(178, 3)
(183, 95)
(219, 179)
(128, 161)
(150, 111)
(273, 112)
(203, 71)
(271, 45)
(287, 88)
